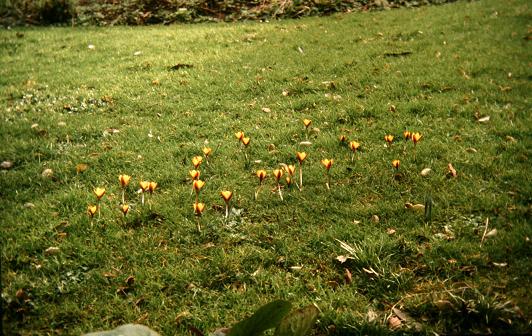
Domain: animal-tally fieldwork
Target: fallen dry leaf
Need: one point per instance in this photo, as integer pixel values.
(6, 165)
(52, 250)
(496, 264)
(491, 233)
(343, 258)
(394, 322)
(348, 277)
(375, 219)
(29, 205)
(444, 305)
(266, 110)
(452, 171)
(484, 119)
(401, 314)
(305, 143)
(418, 207)
(390, 231)
(426, 171)
(81, 167)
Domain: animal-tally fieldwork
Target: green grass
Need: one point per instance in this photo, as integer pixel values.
(467, 59)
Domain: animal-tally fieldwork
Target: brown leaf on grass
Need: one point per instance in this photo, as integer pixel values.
(483, 119)
(81, 167)
(47, 173)
(266, 110)
(390, 231)
(394, 322)
(401, 314)
(418, 207)
(6, 165)
(348, 277)
(52, 250)
(452, 172)
(182, 315)
(342, 258)
(130, 281)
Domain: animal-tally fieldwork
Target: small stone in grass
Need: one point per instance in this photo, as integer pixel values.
(375, 219)
(6, 165)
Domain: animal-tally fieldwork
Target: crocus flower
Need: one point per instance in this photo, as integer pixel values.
(388, 138)
(239, 135)
(307, 122)
(261, 174)
(291, 169)
(124, 208)
(288, 181)
(396, 164)
(91, 210)
(152, 186)
(196, 161)
(226, 195)
(124, 180)
(278, 173)
(144, 186)
(198, 208)
(327, 163)
(354, 146)
(407, 135)
(301, 156)
(99, 192)
(416, 137)
(342, 139)
(197, 185)
(194, 174)
(245, 141)
(207, 151)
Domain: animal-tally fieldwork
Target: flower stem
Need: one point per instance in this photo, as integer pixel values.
(123, 196)
(280, 193)
(300, 177)
(226, 209)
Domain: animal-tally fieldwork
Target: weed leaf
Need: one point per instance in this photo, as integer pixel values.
(267, 317)
(298, 323)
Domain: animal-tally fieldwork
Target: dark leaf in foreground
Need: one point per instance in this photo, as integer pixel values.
(267, 317)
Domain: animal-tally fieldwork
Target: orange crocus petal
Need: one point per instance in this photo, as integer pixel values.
(327, 163)
(354, 145)
(239, 135)
(291, 169)
(144, 185)
(416, 137)
(152, 186)
(124, 208)
(194, 174)
(288, 180)
(278, 173)
(196, 161)
(342, 138)
(198, 208)
(207, 151)
(124, 180)
(261, 174)
(307, 122)
(99, 192)
(407, 135)
(396, 163)
(227, 195)
(388, 138)
(198, 184)
(91, 210)
(246, 141)
(301, 156)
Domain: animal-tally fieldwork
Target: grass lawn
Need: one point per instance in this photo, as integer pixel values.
(80, 106)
